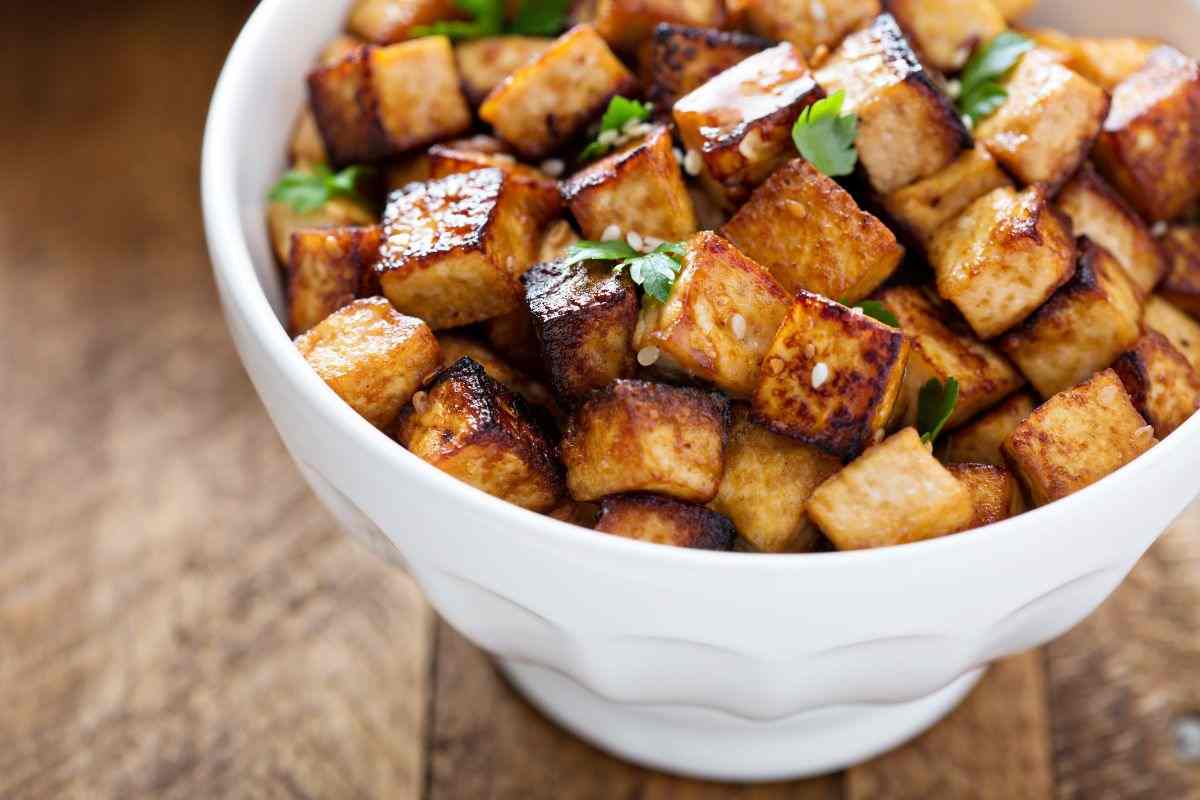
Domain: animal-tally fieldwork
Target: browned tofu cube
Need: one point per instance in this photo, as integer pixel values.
(627, 23)
(1081, 329)
(995, 495)
(978, 442)
(474, 428)
(372, 356)
(1183, 331)
(678, 60)
(338, 48)
(808, 231)
(943, 347)
(767, 482)
(450, 160)
(831, 377)
(283, 221)
(389, 21)
(946, 32)
(719, 320)
(584, 317)
(894, 493)
(907, 128)
(1108, 61)
(549, 101)
(455, 248)
(740, 122)
(1002, 258)
(327, 269)
(638, 189)
(661, 520)
(634, 436)
(1099, 213)
(1150, 140)
(1163, 385)
(483, 64)
(1182, 283)
(807, 24)
(457, 346)
(1046, 127)
(1076, 438)
(306, 149)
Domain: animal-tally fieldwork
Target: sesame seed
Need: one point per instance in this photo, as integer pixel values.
(1108, 395)
(1159, 229)
(954, 88)
(810, 351)
(737, 323)
(750, 144)
(420, 402)
(641, 129)
(553, 167)
(652, 243)
(647, 356)
(511, 263)
(1144, 433)
(817, 10)
(693, 163)
(503, 158)
(678, 155)
(879, 436)
(608, 137)
(611, 234)
(856, 311)
(820, 374)
(966, 121)
(635, 240)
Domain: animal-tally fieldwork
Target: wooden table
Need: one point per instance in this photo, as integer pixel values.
(179, 617)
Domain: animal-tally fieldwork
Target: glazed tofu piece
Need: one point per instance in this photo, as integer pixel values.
(1046, 127)
(472, 427)
(811, 234)
(944, 347)
(946, 32)
(390, 21)
(661, 520)
(1182, 284)
(894, 493)
(1002, 258)
(372, 356)
(328, 269)
(1183, 331)
(1106, 62)
(483, 64)
(979, 441)
(640, 188)
(907, 128)
(283, 221)
(450, 160)
(1163, 385)
(306, 149)
(512, 336)
(455, 248)
(1151, 136)
(678, 60)
(458, 346)
(584, 317)
(719, 320)
(832, 376)
(625, 24)
(549, 101)
(740, 122)
(767, 482)
(1099, 213)
(635, 436)
(995, 495)
(1076, 438)
(807, 24)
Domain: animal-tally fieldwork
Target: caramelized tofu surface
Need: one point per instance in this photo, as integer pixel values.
(389, 21)
(946, 32)
(346, 107)
(993, 489)
(1163, 385)
(483, 64)
(807, 24)
(457, 346)
(1183, 331)
(627, 23)
(979, 441)
(372, 356)
(327, 269)
(283, 221)
(678, 60)
(1182, 283)
(894, 493)
(635, 436)
(661, 520)
(451, 159)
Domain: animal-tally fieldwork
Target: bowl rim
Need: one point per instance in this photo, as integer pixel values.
(233, 267)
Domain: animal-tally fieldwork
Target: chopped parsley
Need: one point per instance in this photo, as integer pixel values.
(981, 92)
(307, 191)
(620, 112)
(825, 136)
(654, 271)
(877, 311)
(534, 18)
(935, 404)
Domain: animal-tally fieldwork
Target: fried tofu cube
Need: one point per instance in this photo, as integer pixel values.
(472, 427)
(1076, 438)
(584, 317)
(483, 64)
(807, 24)
(628, 23)
(635, 436)
(1046, 127)
(283, 220)
(390, 21)
(549, 101)
(946, 32)
(767, 482)
(327, 269)
(1163, 385)
(811, 234)
(1099, 213)
(1002, 258)
(457, 346)
(740, 122)
(943, 347)
(894, 493)
(640, 188)
(1108, 61)
(372, 356)
(979, 441)
(1183, 331)
(306, 148)
(995, 495)
(661, 520)
(832, 376)
(1151, 136)
(1182, 284)
(719, 320)
(451, 160)
(454, 249)
(1014, 9)
(678, 60)
(907, 128)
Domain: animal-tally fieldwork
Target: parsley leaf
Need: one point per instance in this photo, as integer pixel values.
(878, 311)
(307, 191)
(981, 92)
(825, 137)
(655, 272)
(935, 404)
(540, 18)
(620, 112)
(615, 250)
(534, 18)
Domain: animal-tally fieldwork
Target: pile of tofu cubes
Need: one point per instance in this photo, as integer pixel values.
(1043, 258)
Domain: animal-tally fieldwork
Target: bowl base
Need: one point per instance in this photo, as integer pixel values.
(701, 743)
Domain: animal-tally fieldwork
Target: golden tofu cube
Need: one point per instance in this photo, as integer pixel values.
(329, 268)
(907, 128)
(943, 347)
(549, 101)
(661, 520)
(306, 149)
(474, 428)
(979, 441)
(1149, 143)
(894, 493)
(1183, 331)
(1163, 385)
(807, 24)
(628, 23)
(719, 320)
(1002, 258)
(1014, 9)
(811, 234)
(639, 189)
(740, 122)
(635, 436)
(283, 221)
(1182, 284)
(372, 356)
(390, 21)
(450, 160)
(1099, 213)
(1076, 438)
(484, 63)
(1108, 61)
(832, 376)
(1081, 329)
(457, 346)
(995, 495)
(946, 32)
(455, 248)
(677, 60)
(767, 482)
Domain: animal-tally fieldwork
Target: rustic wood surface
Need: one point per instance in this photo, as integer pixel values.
(178, 616)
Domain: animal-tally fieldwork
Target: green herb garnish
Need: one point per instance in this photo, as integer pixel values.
(307, 191)
(981, 93)
(535, 18)
(877, 311)
(825, 137)
(935, 404)
(655, 271)
(620, 112)
(541, 18)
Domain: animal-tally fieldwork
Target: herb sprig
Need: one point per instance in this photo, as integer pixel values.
(620, 112)
(877, 311)
(306, 191)
(534, 18)
(981, 92)
(935, 404)
(825, 136)
(654, 271)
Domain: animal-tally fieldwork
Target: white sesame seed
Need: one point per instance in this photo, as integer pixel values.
(652, 243)
(553, 167)
(420, 402)
(635, 240)
(693, 163)
(966, 121)
(511, 263)
(611, 234)
(1108, 395)
(503, 158)
(810, 351)
(879, 436)
(1159, 229)
(820, 374)
(750, 144)
(608, 137)
(856, 311)
(1144, 433)
(678, 155)
(641, 129)
(954, 88)
(647, 356)
(737, 324)
(817, 10)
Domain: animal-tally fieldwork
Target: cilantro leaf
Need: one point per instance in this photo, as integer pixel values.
(981, 92)
(616, 250)
(655, 271)
(620, 112)
(307, 191)
(825, 137)
(540, 18)
(878, 311)
(935, 404)
(487, 18)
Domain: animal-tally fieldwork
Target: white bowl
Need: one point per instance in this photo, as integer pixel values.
(720, 665)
